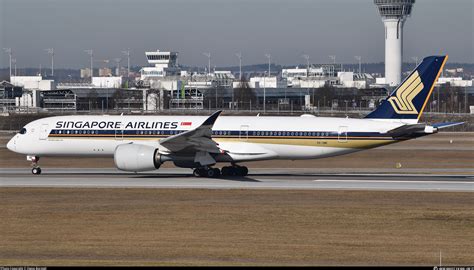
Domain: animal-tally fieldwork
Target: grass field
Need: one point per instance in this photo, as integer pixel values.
(55, 226)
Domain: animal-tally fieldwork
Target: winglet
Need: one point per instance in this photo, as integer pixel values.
(212, 119)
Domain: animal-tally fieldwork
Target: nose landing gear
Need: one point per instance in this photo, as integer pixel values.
(36, 170)
(34, 163)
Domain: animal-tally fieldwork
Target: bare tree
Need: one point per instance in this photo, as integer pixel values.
(93, 98)
(324, 95)
(116, 99)
(244, 96)
(213, 97)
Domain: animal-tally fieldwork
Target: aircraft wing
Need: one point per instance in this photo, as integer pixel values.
(195, 140)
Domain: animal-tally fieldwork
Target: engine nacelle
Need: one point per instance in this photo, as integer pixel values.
(136, 157)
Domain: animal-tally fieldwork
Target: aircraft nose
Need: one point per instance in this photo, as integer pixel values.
(11, 144)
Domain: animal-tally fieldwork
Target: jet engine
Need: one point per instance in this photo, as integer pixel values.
(137, 157)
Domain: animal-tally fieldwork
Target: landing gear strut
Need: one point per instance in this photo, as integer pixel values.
(207, 172)
(34, 163)
(235, 170)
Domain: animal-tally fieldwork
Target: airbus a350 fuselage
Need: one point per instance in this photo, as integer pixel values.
(241, 138)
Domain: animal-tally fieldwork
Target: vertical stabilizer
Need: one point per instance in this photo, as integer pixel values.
(409, 99)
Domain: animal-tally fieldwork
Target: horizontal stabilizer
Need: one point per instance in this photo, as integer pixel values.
(418, 130)
(447, 124)
(407, 131)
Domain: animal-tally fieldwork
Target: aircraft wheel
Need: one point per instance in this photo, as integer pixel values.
(225, 171)
(197, 172)
(243, 171)
(235, 171)
(211, 173)
(36, 170)
(217, 172)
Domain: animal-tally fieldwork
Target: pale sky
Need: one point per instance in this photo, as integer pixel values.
(285, 29)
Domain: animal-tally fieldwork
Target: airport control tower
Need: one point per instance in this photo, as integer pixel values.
(394, 14)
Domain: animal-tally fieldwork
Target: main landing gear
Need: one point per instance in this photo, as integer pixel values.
(207, 172)
(233, 170)
(34, 163)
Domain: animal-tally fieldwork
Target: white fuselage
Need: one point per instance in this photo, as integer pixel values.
(243, 138)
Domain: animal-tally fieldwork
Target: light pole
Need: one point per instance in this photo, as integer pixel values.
(359, 58)
(264, 92)
(51, 51)
(9, 51)
(118, 60)
(333, 57)
(209, 64)
(91, 53)
(127, 53)
(415, 58)
(239, 55)
(269, 56)
(14, 63)
(305, 56)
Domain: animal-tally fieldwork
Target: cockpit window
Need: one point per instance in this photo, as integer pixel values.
(22, 131)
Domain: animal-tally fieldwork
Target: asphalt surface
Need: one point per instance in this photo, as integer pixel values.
(257, 179)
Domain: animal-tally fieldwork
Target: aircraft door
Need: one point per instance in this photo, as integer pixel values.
(244, 132)
(342, 134)
(119, 133)
(44, 132)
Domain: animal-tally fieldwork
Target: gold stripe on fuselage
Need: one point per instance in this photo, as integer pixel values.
(351, 142)
(362, 144)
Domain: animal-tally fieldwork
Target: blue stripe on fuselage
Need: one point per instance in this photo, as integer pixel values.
(70, 133)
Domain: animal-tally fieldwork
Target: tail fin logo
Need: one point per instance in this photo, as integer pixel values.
(402, 102)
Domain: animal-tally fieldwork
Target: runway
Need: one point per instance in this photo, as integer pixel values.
(291, 179)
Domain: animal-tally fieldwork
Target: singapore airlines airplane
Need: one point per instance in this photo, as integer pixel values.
(143, 143)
